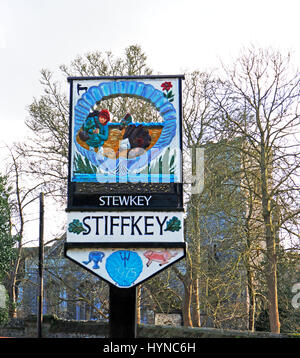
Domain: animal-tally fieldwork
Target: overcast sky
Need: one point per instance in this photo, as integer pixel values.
(176, 35)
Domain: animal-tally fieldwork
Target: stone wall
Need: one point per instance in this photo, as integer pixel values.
(58, 328)
(54, 327)
(171, 319)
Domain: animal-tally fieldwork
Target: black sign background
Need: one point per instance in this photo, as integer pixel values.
(86, 196)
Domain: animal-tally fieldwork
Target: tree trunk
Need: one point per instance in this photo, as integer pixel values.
(195, 249)
(13, 294)
(252, 303)
(138, 304)
(186, 309)
(197, 319)
(12, 289)
(271, 268)
(271, 276)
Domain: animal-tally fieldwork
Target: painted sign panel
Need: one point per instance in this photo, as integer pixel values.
(125, 267)
(127, 226)
(125, 205)
(111, 146)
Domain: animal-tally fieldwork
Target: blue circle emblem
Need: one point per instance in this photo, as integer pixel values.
(124, 267)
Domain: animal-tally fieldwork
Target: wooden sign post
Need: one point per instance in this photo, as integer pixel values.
(125, 204)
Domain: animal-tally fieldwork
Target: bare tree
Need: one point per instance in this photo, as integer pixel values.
(259, 101)
(23, 195)
(198, 111)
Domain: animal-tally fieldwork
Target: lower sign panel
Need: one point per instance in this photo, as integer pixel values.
(125, 267)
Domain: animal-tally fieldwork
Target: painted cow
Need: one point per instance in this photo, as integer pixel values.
(162, 257)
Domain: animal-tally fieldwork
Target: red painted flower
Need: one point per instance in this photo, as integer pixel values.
(166, 86)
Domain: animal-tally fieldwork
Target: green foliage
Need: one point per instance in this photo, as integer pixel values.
(173, 224)
(4, 316)
(169, 95)
(76, 227)
(172, 164)
(84, 165)
(4, 312)
(7, 241)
